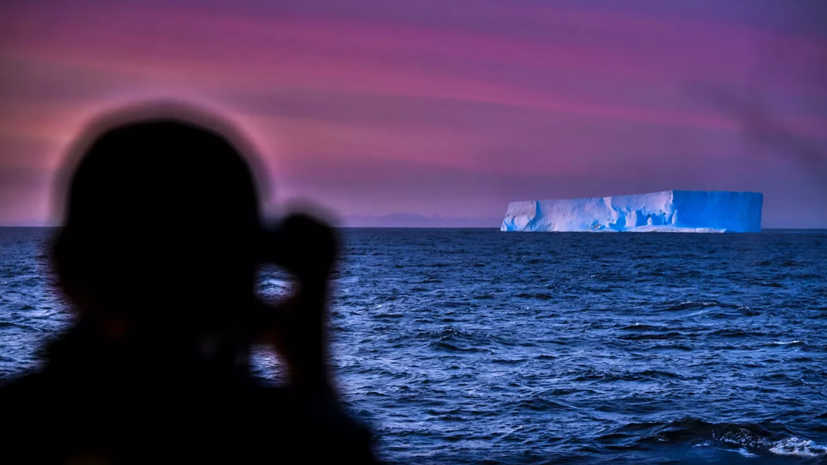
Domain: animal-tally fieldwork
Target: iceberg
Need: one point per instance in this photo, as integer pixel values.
(667, 211)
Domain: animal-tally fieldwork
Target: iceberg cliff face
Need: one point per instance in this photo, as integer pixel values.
(670, 211)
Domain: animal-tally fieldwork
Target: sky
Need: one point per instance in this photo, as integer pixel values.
(440, 112)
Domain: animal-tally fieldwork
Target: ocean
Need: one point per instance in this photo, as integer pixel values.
(465, 346)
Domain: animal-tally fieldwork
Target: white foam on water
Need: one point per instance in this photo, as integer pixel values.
(745, 453)
(798, 447)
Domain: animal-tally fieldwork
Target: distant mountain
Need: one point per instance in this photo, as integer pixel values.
(26, 224)
(413, 220)
(393, 220)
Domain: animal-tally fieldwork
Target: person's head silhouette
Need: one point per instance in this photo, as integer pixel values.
(161, 238)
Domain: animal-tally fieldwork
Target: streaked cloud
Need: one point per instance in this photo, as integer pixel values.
(380, 106)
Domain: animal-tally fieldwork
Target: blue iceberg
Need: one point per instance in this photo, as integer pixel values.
(667, 211)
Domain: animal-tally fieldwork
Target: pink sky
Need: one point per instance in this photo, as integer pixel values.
(442, 107)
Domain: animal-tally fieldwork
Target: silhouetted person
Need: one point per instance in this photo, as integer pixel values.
(158, 254)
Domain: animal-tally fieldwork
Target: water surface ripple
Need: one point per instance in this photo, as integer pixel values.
(475, 346)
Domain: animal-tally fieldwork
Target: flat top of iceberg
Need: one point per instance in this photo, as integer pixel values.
(648, 194)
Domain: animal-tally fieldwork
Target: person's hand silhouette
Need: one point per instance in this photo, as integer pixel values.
(307, 248)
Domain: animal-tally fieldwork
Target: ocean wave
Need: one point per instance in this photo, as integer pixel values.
(645, 375)
(451, 344)
(696, 305)
(540, 404)
(786, 343)
(748, 439)
(647, 336)
(539, 296)
(642, 327)
(738, 333)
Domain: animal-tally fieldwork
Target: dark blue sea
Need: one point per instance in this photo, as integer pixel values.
(476, 346)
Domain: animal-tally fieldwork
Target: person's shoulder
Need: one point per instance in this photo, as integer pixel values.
(38, 399)
(17, 391)
(23, 402)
